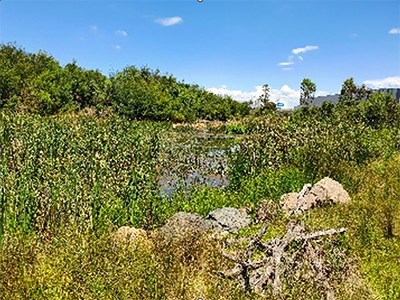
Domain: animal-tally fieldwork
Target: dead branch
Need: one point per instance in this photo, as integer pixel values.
(275, 261)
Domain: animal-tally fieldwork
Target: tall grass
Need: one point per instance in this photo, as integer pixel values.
(80, 170)
(317, 146)
(67, 181)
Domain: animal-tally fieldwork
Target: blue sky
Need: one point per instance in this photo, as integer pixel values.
(228, 47)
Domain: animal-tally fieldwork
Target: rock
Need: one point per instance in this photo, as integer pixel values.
(228, 219)
(324, 192)
(266, 211)
(184, 224)
(130, 235)
(289, 203)
(330, 191)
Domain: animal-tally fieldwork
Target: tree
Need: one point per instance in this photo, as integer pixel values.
(351, 94)
(307, 93)
(266, 104)
(380, 110)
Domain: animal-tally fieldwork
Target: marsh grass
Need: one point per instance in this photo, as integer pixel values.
(67, 182)
(373, 222)
(76, 266)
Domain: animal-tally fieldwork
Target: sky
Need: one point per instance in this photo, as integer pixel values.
(229, 47)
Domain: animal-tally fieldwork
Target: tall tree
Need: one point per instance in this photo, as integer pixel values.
(351, 93)
(264, 99)
(307, 93)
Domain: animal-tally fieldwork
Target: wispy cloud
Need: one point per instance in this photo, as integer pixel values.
(286, 63)
(297, 51)
(291, 58)
(117, 47)
(169, 21)
(93, 28)
(121, 33)
(394, 31)
(388, 82)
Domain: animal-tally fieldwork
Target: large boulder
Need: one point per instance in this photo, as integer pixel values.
(224, 220)
(185, 224)
(330, 191)
(325, 191)
(228, 219)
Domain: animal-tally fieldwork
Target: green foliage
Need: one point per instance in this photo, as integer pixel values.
(310, 141)
(350, 94)
(77, 170)
(380, 110)
(77, 266)
(38, 84)
(67, 181)
(235, 129)
(267, 106)
(372, 220)
(307, 93)
(145, 94)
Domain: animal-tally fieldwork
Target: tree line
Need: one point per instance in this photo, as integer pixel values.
(37, 83)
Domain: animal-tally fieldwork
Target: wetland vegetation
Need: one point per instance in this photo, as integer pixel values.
(79, 159)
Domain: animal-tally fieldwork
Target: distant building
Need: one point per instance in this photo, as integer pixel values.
(331, 98)
(395, 92)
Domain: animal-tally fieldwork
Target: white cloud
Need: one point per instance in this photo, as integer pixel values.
(388, 82)
(304, 50)
(286, 63)
(121, 32)
(117, 47)
(169, 21)
(93, 28)
(286, 95)
(394, 31)
(296, 53)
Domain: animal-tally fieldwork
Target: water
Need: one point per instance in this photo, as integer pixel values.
(207, 166)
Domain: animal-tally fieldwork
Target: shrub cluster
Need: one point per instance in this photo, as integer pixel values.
(37, 83)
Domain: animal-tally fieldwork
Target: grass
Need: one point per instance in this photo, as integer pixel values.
(67, 182)
(373, 222)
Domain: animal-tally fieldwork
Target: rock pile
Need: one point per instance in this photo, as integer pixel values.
(276, 261)
(325, 191)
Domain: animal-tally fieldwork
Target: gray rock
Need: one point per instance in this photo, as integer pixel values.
(228, 219)
(185, 224)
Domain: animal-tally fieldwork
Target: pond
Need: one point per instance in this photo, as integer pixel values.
(195, 159)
